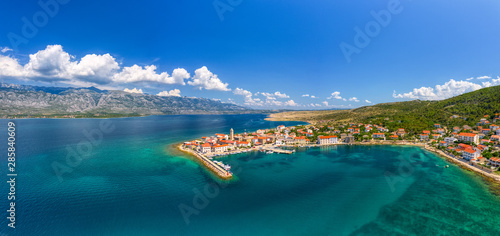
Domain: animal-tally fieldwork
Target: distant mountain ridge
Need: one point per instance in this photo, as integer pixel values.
(26, 100)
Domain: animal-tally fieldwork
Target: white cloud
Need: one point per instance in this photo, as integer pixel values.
(307, 95)
(354, 99)
(134, 90)
(96, 68)
(291, 103)
(367, 101)
(10, 67)
(281, 95)
(325, 103)
(53, 63)
(5, 49)
(171, 93)
(447, 90)
(136, 73)
(248, 97)
(204, 79)
(239, 91)
(335, 95)
(493, 82)
(471, 78)
(484, 77)
(273, 96)
(273, 103)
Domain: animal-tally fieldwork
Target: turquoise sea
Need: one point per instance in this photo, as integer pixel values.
(131, 181)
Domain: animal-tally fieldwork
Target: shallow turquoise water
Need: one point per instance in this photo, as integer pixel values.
(133, 183)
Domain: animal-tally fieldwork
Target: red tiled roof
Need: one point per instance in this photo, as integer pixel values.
(467, 134)
(470, 151)
(325, 137)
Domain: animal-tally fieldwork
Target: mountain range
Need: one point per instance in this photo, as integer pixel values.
(35, 101)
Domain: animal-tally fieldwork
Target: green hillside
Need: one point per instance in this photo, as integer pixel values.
(416, 115)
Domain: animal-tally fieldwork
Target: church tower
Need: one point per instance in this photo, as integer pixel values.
(231, 135)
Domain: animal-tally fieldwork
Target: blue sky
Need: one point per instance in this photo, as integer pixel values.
(265, 54)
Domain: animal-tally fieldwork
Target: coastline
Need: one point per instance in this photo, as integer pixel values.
(466, 166)
(489, 176)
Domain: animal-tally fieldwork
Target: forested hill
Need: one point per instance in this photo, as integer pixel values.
(414, 116)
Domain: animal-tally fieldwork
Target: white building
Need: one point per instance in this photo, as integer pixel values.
(469, 154)
(327, 139)
(468, 137)
(220, 148)
(205, 148)
(450, 140)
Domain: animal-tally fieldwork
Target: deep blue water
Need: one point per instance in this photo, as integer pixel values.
(132, 182)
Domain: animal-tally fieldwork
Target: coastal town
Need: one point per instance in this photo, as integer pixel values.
(477, 146)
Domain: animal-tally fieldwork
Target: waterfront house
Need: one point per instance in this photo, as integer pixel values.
(301, 140)
(242, 144)
(378, 135)
(426, 132)
(440, 130)
(424, 136)
(470, 154)
(327, 139)
(486, 131)
(456, 128)
(469, 137)
(206, 148)
(393, 136)
(280, 141)
(494, 161)
(495, 137)
(443, 143)
(220, 148)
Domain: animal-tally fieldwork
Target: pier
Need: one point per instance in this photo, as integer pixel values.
(277, 150)
(221, 172)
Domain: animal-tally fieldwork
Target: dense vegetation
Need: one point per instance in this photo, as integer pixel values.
(417, 115)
